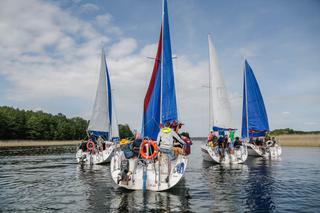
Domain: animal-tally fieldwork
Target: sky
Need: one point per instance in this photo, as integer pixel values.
(50, 56)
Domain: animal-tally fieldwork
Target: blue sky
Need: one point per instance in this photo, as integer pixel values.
(49, 55)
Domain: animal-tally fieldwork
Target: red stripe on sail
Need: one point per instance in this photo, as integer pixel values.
(154, 74)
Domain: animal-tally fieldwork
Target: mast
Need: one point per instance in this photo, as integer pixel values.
(161, 60)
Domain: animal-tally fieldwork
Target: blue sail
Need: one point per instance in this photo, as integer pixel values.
(169, 104)
(160, 99)
(254, 116)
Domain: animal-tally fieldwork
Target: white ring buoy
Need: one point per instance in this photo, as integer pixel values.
(269, 143)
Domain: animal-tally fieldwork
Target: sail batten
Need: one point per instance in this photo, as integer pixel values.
(220, 108)
(254, 116)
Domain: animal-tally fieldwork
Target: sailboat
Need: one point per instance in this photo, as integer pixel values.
(220, 116)
(103, 127)
(149, 169)
(254, 118)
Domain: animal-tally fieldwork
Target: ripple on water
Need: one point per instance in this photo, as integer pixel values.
(54, 182)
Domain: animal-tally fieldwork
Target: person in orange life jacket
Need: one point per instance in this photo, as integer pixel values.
(165, 143)
(210, 136)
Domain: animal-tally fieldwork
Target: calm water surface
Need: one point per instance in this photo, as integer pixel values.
(55, 183)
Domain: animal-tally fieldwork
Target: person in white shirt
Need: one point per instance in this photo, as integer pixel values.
(165, 143)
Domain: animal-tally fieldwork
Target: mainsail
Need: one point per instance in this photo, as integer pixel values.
(101, 117)
(160, 98)
(220, 109)
(254, 115)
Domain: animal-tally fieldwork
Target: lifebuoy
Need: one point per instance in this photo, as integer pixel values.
(269, 143)
(90, 145)
(143, 153)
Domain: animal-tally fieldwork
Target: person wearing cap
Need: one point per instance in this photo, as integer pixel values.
(165, 142)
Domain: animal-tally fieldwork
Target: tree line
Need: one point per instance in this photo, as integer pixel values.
(288, 131)
(16, 124)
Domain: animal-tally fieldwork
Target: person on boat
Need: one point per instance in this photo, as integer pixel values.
(165, 143)
(225, 142)
(221, 147)
(252, 141)
(177, 147)
(237, 143)
(230, 146)
(136, 134)
(100, 143)
(274, 141)
(210, 136)
(231, 141)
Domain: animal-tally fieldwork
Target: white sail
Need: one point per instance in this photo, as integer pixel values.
(100, 120)
(220, 109)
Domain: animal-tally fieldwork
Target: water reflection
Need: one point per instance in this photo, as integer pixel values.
(225, 184)
(260, 185)
(102, 194)
(95, 182)
(176, 200)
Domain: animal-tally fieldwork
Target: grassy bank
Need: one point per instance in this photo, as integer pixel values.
(300, 140)
(21, 143)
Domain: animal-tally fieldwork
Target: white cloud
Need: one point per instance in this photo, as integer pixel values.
(123, 48)
(89, 7)
(55, 56)
(105, 22)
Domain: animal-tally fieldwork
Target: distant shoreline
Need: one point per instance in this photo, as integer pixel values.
(305, 140)
(311, 140)
(35, 143)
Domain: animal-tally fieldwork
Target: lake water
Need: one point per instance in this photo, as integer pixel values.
(55, 183)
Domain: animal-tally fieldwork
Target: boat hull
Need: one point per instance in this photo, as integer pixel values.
(256, 151)
(211, 154)
(154, 180)
(100, 157)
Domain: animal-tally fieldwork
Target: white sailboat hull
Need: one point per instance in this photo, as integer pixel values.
(211, 154)
(155, 180)
(257, 151)
(100, 157)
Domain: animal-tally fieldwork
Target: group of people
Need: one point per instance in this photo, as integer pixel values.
(97, 141)
(263, 141)
(169, 141)
(224, 142)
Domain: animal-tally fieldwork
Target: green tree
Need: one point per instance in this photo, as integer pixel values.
(125, 131)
